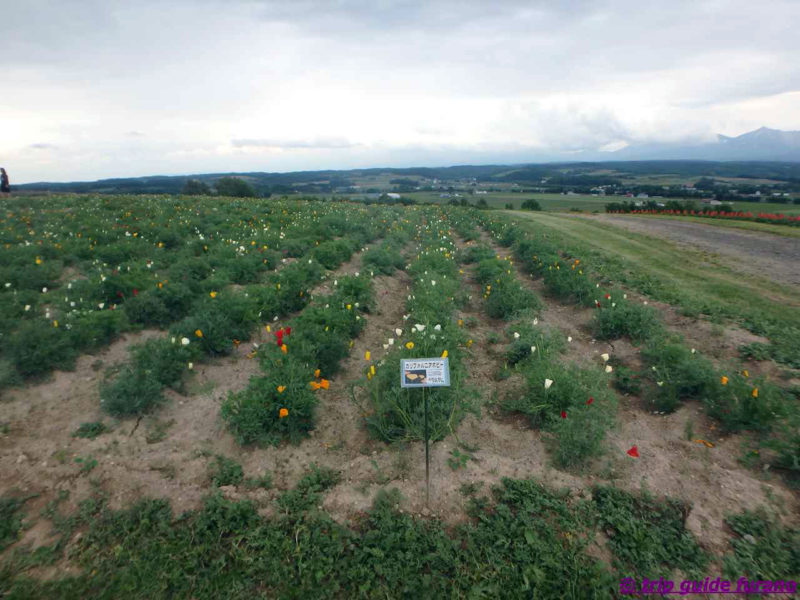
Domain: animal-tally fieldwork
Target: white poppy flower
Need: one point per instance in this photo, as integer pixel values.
(44, 290)
(419, 327)
(27, 307)
(398, 331)
(608, 369)
(604, 356)
(548, 383)
(533, 349)
(184, 341)
(536, 321)
(516, 335)
(569, 338)
(191, 366)
(390, 341)
(438, 327)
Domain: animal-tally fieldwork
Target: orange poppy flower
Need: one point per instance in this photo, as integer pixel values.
(724, 380)
(325, 384)
(281, 388)
(316, 373)
(284, 348)
(284, 412)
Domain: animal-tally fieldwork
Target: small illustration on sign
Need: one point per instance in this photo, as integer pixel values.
(425, 372)
(416, 377)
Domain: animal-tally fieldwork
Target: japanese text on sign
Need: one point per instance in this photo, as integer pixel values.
(425, 372)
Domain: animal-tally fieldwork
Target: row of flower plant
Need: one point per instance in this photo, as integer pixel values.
(79, 271)
(672, 372)
(217, 326)
(430, 328)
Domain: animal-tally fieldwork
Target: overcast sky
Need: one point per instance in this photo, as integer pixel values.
(106, 88)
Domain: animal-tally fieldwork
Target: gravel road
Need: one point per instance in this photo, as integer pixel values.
(771, 256)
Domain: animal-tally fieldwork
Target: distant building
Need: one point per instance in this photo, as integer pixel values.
(393, 196)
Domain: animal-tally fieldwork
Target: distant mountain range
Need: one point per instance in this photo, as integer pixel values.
(761, 144)
(764, 153)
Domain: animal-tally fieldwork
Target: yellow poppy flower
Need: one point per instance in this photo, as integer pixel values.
(409, 345)
(213, 294)
(755, 392)
(367, 355)
(444, 354)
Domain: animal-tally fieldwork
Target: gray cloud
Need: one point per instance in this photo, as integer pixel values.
(360, 82)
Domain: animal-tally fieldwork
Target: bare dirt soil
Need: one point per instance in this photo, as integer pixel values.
(770, 256)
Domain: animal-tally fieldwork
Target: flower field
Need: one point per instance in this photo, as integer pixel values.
(201, 398)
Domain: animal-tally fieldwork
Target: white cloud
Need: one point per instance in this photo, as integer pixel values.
(109, 88)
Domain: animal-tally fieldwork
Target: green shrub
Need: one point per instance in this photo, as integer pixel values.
(225, 471)
(577, 408)
(677, 373)
(253, 414)
(579, 437)
(10, 521)
(763, 548)
(90, 430)
(385, 260)
(477, 254)
(307, 494)
(333, 253)
(648, 537)
(737, 408)
(568, 284)
(635, 321)
(531, 204)
(131, 393)
(165, 359)
(508, 299)
(97, 329)
(398, 414)
(38, 347)
(216, 322)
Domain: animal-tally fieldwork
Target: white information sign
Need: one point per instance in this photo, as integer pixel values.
(424, 372)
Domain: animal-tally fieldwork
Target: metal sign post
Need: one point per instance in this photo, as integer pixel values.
(424, 373)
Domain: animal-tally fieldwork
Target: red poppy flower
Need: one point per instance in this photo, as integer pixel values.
(590, 400)
(279, 336)
(135, 292)
(563, 414)
(608, 296)
(288, 330)
(119, 295)
(597, 303)
(634, 452)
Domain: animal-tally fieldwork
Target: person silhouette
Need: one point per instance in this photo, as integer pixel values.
(5, 188)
